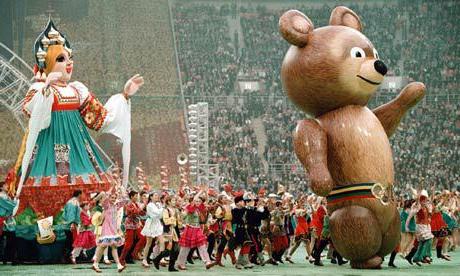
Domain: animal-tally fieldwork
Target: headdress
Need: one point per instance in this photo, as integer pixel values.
(49, 36)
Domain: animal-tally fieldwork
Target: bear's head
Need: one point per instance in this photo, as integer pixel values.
(329, 67)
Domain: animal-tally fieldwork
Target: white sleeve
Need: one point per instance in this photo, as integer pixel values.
(118, 123)
(31, 97)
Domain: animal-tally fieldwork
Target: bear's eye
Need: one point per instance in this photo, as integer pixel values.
(357, 52)
(376, 54)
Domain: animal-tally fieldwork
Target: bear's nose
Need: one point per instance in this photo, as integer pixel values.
(380, 67)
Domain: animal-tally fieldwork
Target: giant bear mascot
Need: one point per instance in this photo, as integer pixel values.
(331, 73)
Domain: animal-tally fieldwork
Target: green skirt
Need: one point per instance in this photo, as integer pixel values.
(65, 152)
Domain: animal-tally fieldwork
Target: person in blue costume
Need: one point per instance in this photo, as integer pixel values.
(407, 237)
(71, 218)
(8, 208)
(58, 155)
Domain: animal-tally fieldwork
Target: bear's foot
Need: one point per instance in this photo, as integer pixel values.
(372, 263)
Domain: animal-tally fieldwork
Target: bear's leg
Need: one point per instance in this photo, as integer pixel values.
(356, 235)
(392, 236)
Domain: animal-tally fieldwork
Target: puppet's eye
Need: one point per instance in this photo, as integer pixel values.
(357, 52)
(376, 54)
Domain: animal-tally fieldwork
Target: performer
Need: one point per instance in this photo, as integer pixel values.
(193, 236)
(265, 233)
(153, 229)
(170, 221)
(407, 237)
(142, 218)
(224, 216)
(132, 224)
(58, 152)
(255, 214)
(211, 223)
(110, 236)
(96, 221)
(301, 231)
(317, 223)
(242, 240)
(289, 227)
(423, 233)
(439, 229)
(71, 217)
(280, 240)
(8, 208)
(85, 238)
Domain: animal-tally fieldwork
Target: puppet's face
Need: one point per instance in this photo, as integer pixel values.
(64, 65)
(329, 67)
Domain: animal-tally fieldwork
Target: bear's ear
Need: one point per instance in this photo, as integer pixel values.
(294, 27)
(345, 17)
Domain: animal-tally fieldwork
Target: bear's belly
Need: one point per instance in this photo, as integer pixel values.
(358, 147)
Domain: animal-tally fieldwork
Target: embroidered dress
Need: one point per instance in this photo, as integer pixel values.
(193, 234)
(85, 238)
(153, 227)
(110, 236)
(65, 157)
(65, 152)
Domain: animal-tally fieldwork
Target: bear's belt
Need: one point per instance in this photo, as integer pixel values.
(361, 190)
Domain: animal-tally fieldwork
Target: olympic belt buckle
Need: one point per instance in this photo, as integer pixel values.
(381, 192)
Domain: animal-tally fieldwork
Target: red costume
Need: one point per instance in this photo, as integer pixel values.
(317, 220)
(132, 226)
(302, 226)
(193, 233)
(85, 238)
(437, 222)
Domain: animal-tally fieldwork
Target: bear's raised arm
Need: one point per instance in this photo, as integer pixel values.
(391, 113)
(310, 145)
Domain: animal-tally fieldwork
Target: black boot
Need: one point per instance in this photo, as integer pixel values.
(340, 261)
(392, 259)
(156, 261)
(173, 254)
(190, 256)
(411, 255)
(172, 261)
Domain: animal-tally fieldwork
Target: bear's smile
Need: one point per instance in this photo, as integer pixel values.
(369, 81)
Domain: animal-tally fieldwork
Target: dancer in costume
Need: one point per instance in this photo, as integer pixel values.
(71, 217)
(407, 237)
(132, 224)
(301, 231)
(85, 238)
(423, 211)
(242, 239)
(193, 236)
(110, 236)
(224, 216)
(255, 214)
(170, 233)
(8, 208)
(153, 229)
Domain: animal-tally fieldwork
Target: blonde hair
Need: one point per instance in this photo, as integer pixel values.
(50, 60)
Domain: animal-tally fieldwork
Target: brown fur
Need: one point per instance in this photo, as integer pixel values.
(346, 143)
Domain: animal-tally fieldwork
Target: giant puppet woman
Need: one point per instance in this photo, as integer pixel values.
(58, 155)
